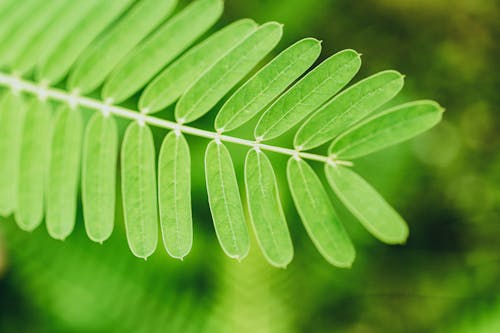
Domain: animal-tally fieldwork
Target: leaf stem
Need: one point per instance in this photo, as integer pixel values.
(43, 92)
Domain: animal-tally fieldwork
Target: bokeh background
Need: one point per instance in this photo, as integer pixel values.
(445, 183)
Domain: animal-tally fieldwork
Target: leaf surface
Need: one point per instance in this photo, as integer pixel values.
(265, 210)
(138, 176)
(388, 128)
(367, 205)
(318, 215)
(227, 72)
(348, 108)
(267, 84)
(100, 152)
(225, 201)
(174, 183)
(312, 91)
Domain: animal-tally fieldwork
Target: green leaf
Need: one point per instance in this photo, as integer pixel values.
(15, 15)
(267, 84)
(366, 204)
(174, 182)
(100, 152)
(265, 210)
(393, 126)
(227, 72)
(139, 190)
(12, 111)
(167, 42)
(15, 43)
(33, 161)
(318, 215)
(225, 201)
(47, 39)
(99, 59)
(167, 87)
(314, 89)
(103, 13)
(348, 108)
(63, 174)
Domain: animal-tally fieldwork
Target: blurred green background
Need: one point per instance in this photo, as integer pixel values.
(445, 183)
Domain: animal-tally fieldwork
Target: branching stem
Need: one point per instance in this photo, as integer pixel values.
(73, 99)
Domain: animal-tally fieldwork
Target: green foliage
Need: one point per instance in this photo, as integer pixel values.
(126, 46)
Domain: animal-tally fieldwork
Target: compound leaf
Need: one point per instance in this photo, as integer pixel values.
(174, 183)
(225, 202)
(100, 152)
(139, 190)
(366, 204)
(265, 210)
(318, 215)
(267, 84)
(347, 108)
(227, 72)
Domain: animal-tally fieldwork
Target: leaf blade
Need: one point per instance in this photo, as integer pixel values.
(367, 205)
(318, 215)
(225, 201)
(388, 128)
(265, 210)
(139, 190)
(312, 91)
(100, 152)
(227, 72)
(348, 108)
(174, 184)
(267, 84)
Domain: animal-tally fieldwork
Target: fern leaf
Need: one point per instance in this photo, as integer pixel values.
(317, 214)
(139, 190)
(267, 84)
(33, 162)
(104, 53)
(366, 204)
(308, 94)
(100, 152)
(348, 108)
(174, 184)
(225, 74)
(162, 47)
(225, 202)
(57, 65)
(386, 129)
(64, 170)
(265, 210)
(12, 111)
(167, 87)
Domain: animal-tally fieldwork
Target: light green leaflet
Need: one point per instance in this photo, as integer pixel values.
(35, 141)
(317, 214)
(347, 108)
(99, 59)
(386, 129)
(225, 201)
(167, 87)
(267, 84)
(64, 55)
(226, 73)
(308, 94)
(15, 43)
(47, 39)
(13, 18)
(177, 34)
(265, 210)
(100, 151)
(12, 110)
(366, 204)
(139, 190)
(63, 174)
(174, 186)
